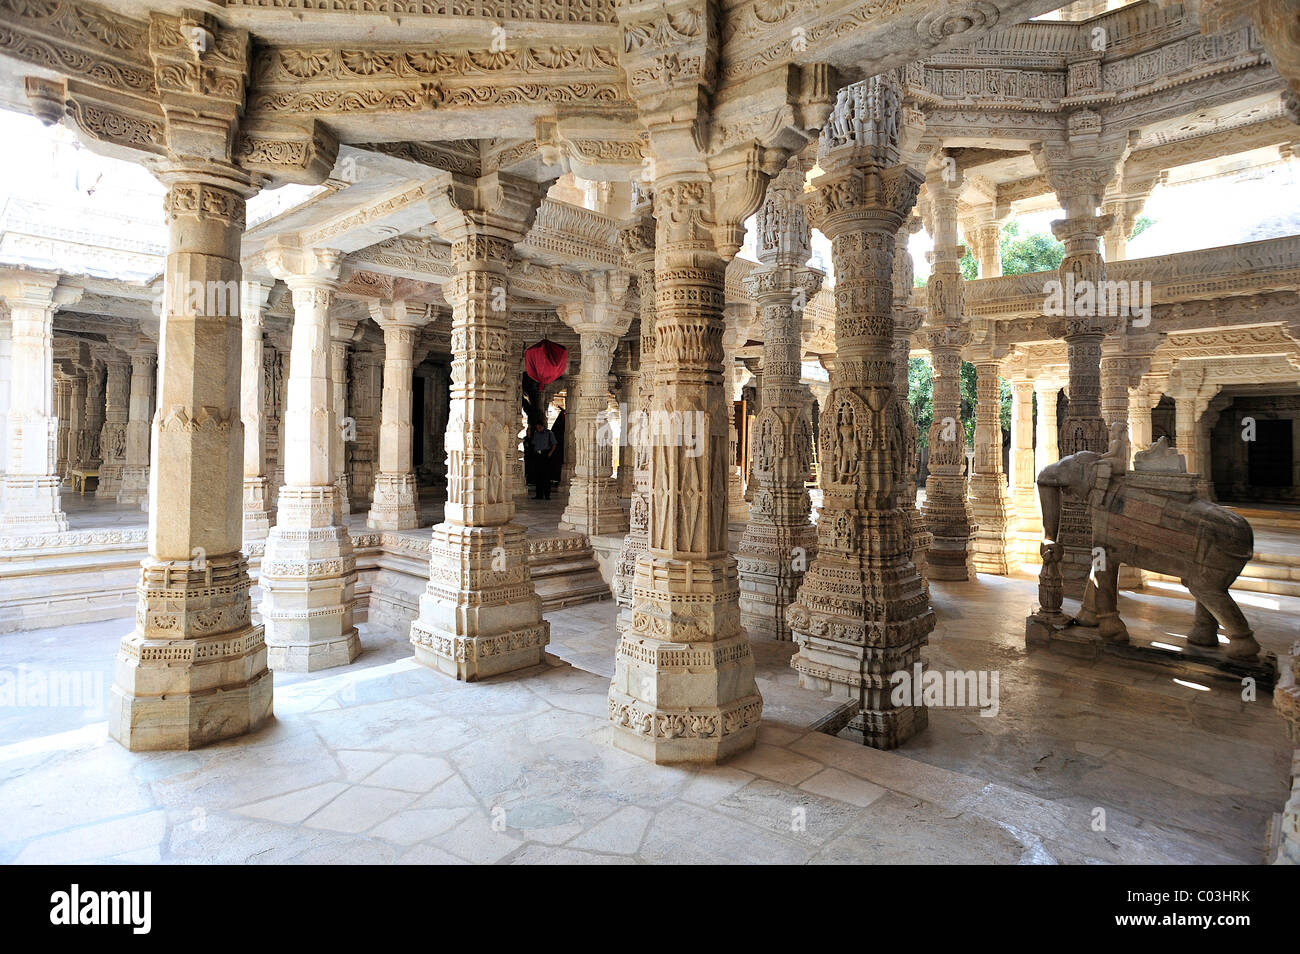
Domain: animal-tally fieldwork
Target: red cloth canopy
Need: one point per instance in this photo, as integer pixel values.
(546, 361)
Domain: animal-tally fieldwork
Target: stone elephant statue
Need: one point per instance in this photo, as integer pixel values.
(1157, 521)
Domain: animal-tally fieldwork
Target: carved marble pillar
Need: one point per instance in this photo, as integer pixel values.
(62, 419)
(194, 670)
(1026, 521)
(93, 417)
(907, 320)
(258, 515)
(780, 541)
(308, 570)
(6, 389)
(480, 614)
(755, 368)
(637, 238)
(593, 506)
(1141, 401)
(988, 488)
(76, 421)
(135, 472)
(947, 513)
(863, 613)
(1080, 172)
(737, 318)
(1046, 450)
(515, 418)
(29, 496)
(342, 331)
(625, 393)
(683, 687)
(112, 436)
(396, 504)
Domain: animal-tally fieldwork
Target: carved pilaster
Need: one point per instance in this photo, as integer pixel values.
(862, 612)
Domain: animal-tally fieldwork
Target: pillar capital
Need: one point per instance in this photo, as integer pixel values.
(483, 217)
(389, 313)
(311, 273)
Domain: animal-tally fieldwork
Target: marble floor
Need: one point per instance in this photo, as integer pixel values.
(386, 761)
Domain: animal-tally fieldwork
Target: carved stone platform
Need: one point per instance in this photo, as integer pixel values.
(1085, 642)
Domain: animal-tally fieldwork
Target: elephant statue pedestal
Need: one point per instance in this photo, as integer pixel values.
(1158, 518)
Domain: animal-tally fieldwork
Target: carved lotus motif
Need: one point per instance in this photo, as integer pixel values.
(304, 64)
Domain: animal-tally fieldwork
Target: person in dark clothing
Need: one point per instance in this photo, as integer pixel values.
(542, 444)
(556, 459)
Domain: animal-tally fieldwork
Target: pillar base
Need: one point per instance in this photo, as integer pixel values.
(258, 515)
(470, 658)
(110, 482)
(394, 503)
(684, 703)
(769, 581)
(194, 670)
(480, 615)
(593, 509)
(308, 575)
(946, 559)
(186, 717)
(31, 505)
(135, 487)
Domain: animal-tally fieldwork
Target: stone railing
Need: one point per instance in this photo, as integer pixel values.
(1251, 268)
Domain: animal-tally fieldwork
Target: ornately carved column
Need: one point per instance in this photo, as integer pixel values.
(63, 417)
(194, 670)
(76, 422)
(737, 318)
(258, 513)
(907, 320)
(135, 472)
(683, 688)
(480, 615)
(637, 238)
(1080, 172)
(515, 417)
(1047, 449)
(92, 420)
(112, 437)
(308, 570)
(863, 613)
(780, 541)
(988, 488)
(593, 506)
(342, 331)
(1026, 520)
(947, 513)
(29, 496)
(396, 504)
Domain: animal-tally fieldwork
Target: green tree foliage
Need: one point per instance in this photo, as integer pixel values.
(1143, 223)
